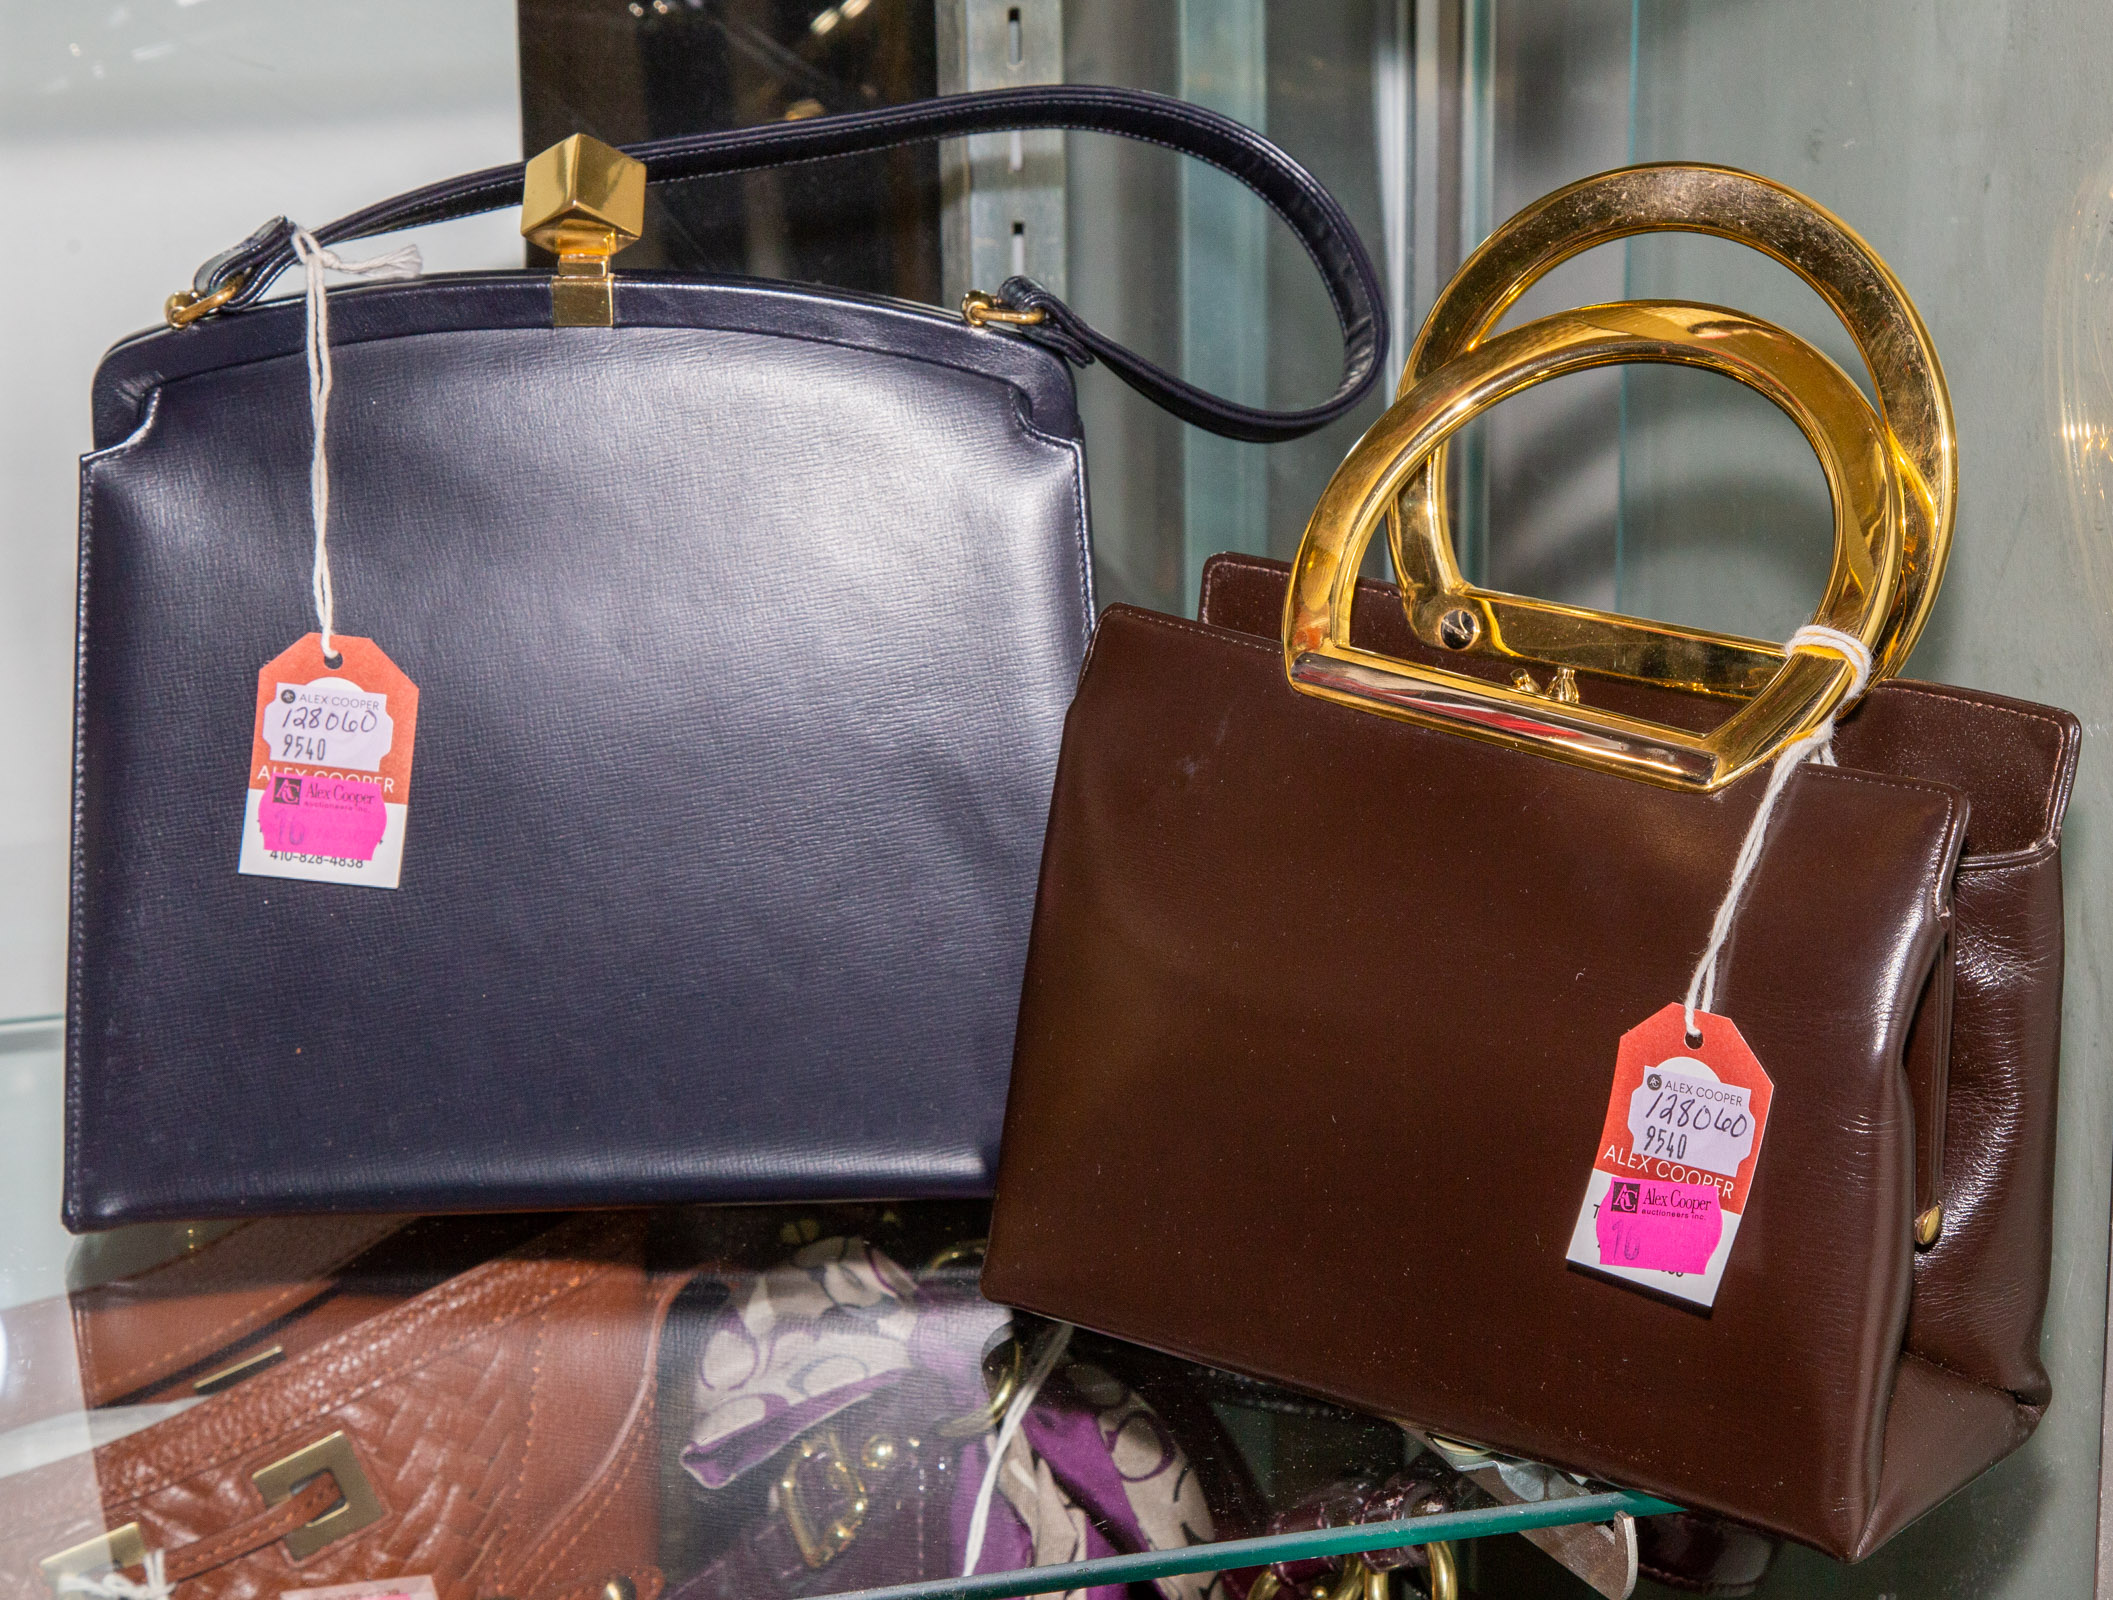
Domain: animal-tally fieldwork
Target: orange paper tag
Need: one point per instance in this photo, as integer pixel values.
(330, 766)
(1676, 1159)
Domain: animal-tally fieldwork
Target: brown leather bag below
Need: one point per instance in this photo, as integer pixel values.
(495, 1432)
(1293, 963)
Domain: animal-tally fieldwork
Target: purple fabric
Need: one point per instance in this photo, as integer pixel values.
(717, 1467)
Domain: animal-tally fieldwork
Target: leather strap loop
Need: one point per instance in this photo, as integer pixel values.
(252, 1534)
(1314, 216)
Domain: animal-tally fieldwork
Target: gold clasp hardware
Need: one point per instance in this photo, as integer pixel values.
(977, 308)
(583, 201)
(186, 306)
(120, 1547)
(358, 1506)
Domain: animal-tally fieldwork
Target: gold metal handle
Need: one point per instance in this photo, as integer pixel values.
(1915, 412)
(1862, 592)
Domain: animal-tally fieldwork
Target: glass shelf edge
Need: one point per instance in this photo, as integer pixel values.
(1233, 1554)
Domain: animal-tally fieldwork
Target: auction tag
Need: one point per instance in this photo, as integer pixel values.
(1676, 1156)
(330, 766)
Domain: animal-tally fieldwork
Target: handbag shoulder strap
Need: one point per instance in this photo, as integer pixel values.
(1314, 216)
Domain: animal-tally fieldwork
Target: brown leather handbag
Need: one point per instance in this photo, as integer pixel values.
(1347, 885)
(368, 1412)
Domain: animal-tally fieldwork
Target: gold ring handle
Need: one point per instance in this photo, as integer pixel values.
(1915, 408)
(1445, 1572)
(1863, 586)
(187, 306)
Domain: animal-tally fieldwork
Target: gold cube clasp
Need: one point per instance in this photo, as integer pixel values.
(583, 201)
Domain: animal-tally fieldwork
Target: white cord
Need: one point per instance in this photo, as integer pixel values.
(1702, 988)
(402, 262)
(1037, 1374)
(116, 1586)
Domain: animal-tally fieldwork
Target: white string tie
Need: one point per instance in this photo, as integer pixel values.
(1037, 1374)
(116, 1586)
(402, 262)
(1819, 745)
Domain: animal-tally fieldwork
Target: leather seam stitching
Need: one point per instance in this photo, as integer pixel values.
(1160, 619)
(633, 1453)
(630, 1447)
(76, 889)
(1909, 1353)
(2052, 792)
(182, 1355)
(1995, 861)
(1082, 549)
(528, 1433)
(265, 1528)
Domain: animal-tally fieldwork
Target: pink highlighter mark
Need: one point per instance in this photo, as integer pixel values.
(310, 815)
(1663, 1227)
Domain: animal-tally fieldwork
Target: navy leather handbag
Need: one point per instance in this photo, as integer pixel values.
(742, 631)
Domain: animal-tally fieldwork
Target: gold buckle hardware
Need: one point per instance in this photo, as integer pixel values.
(358, 1506)
(1862, 595)
(821, 1543)
(1914, 407)
(823, 1533)
(1360, 1580)
(186, 306)
(583, 201)
(120, 1547)
(977, 308)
